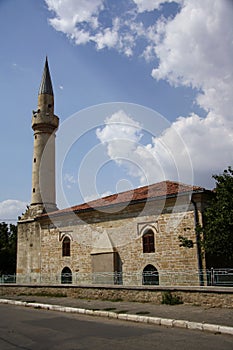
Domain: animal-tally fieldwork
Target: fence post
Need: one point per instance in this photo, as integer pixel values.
(212, 276)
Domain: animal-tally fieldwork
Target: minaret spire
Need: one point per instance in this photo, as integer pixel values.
(46, 83)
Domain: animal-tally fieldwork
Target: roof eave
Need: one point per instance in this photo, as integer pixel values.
(137, 201)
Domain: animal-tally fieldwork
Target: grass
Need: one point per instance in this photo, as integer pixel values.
(44, 294)
(142, 313)
(117, 300)
(122, 311)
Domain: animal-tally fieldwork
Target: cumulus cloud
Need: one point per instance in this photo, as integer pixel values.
(152, 162)
(69, 180)
(80, 21)
(195, 49)
(179, 153)
(191, 48)
(150, 5)
(10, 209)
(69, 13)
(97, 196)
(120, 126)
(200, 57)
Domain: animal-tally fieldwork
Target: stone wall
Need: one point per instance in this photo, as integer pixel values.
(120, 231)
(203, 296)
(124, 231)
(28, 251)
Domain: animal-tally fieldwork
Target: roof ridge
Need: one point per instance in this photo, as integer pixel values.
(159, 189)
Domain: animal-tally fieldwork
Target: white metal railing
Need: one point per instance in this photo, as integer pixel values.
(8, 278)
(220, 277)
(211, 277)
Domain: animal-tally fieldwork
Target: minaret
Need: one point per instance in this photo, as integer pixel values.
(44, 125)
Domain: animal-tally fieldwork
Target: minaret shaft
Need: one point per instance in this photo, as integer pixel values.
(44, 124)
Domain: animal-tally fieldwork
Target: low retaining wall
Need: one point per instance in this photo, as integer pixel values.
(201, 296)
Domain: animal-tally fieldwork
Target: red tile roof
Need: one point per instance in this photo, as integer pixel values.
(161, 189)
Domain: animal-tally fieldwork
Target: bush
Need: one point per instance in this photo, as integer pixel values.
(169, 299)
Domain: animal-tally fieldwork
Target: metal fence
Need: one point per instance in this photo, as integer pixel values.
(211, 277)
(8, 279)
(220, 277)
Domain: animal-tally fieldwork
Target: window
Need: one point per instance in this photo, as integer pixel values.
(150, 275)
(148, 242)
(66, 275)
(66, 247)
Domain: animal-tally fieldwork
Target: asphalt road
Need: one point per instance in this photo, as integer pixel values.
(29, 329)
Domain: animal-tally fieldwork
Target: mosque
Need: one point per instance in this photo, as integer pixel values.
(129, 238)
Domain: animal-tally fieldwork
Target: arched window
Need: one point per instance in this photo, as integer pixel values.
(150, 275)
(66, 246)
(66, 275)
(148, 241)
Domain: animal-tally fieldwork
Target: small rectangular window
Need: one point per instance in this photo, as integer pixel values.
(148, 243)
(66, 247)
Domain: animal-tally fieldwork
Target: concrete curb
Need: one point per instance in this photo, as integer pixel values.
(206, 327)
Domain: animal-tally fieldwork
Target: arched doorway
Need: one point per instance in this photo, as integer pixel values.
(66, 275)
(150, 275)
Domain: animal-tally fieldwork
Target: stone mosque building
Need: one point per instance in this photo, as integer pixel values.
(130, 238)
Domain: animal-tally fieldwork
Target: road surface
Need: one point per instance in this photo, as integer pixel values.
(29, 329)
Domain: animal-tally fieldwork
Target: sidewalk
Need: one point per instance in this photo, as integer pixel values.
(202, 315)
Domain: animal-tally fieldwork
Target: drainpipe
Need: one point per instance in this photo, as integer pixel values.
(199, 258)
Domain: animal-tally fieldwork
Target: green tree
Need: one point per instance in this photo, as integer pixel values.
(218, 222)
(8, 248)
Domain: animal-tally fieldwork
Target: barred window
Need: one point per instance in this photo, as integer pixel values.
(66, 247)
(66, 275)
(148, 242)
(150, 275)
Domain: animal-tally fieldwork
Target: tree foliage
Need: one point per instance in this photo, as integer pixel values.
(218, 228)
(8, 248)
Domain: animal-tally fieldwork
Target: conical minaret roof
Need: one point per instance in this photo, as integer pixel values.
(46, 83)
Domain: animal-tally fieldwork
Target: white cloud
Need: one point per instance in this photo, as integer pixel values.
(209, 142)
(69, 180)
(150, 5)
(168, 156)
(196, 48)
(71, 12)
(97, 196)
(150, 163)
(121, 136)
(80, 21)
(119, 126)
(193, 48)
(108, 38)
(10, 209)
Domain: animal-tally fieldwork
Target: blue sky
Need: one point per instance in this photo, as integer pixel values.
(168, 63)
